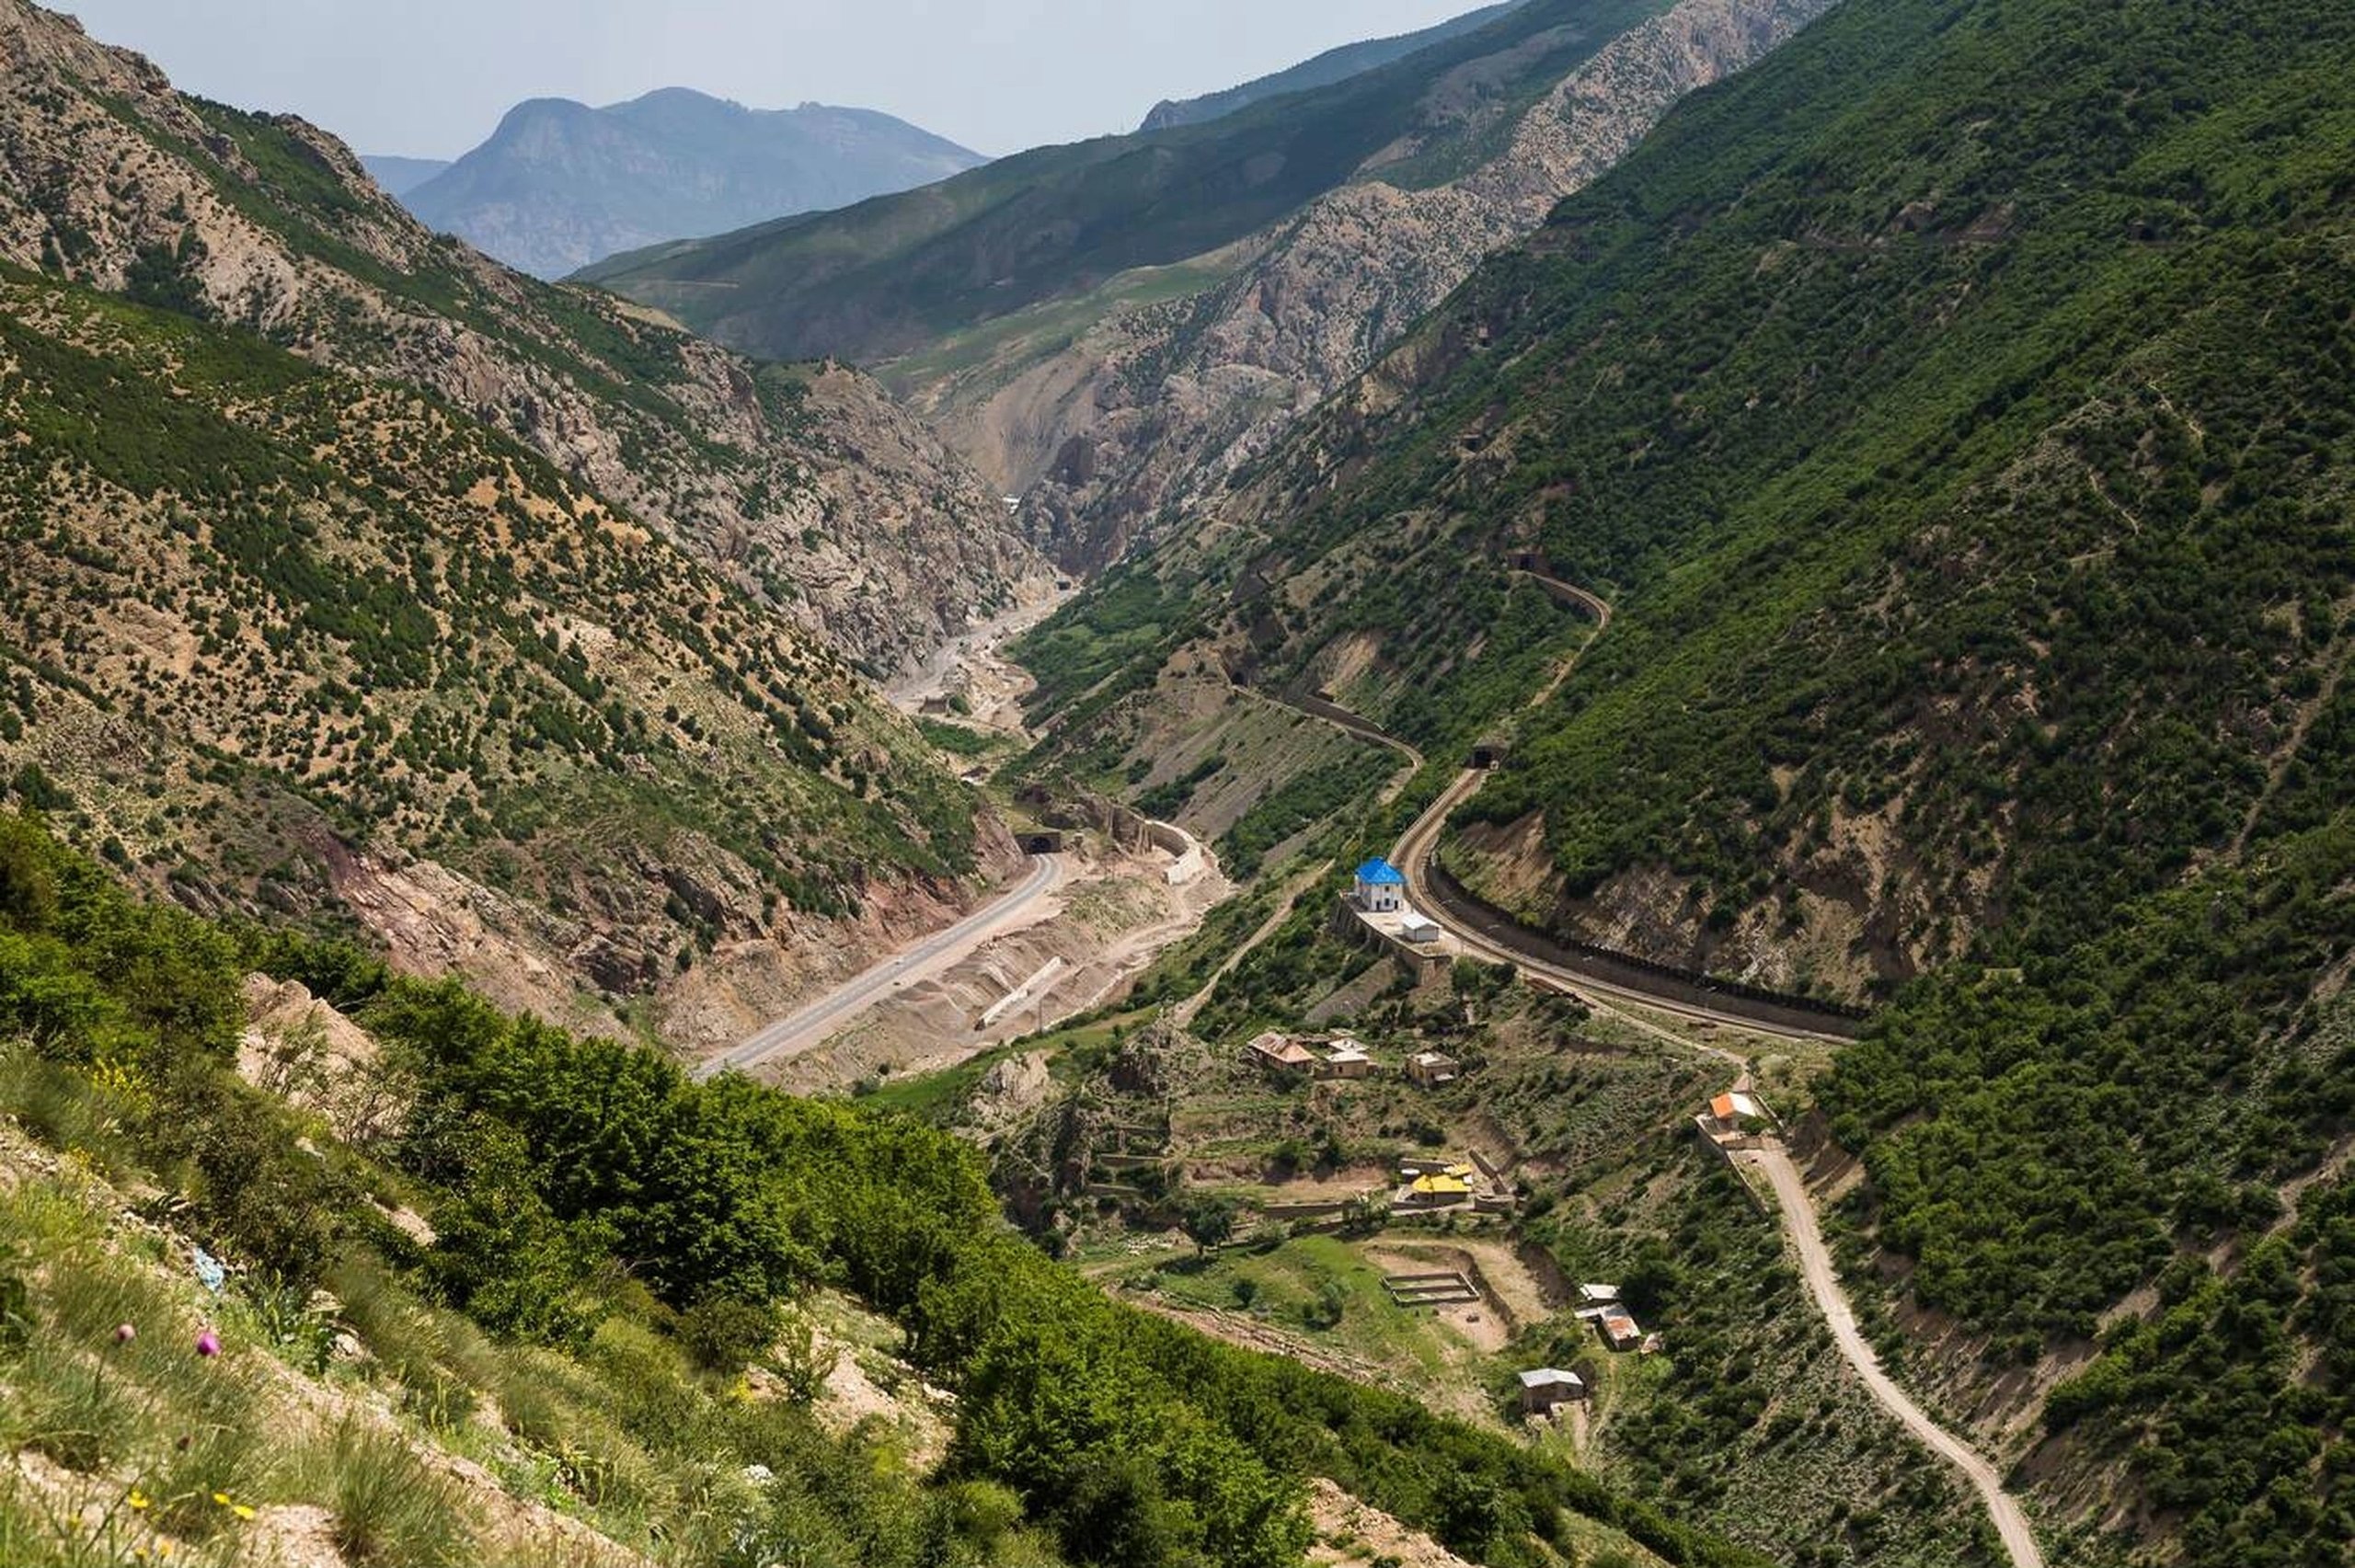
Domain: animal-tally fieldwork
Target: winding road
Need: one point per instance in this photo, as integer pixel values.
(1591, 979)
(809, 1027)
(1416, 850)
(1824, 1282)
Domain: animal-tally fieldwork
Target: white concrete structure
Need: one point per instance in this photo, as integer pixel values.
(1381, 889)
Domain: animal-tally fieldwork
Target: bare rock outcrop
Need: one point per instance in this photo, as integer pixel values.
(807, 485)
(1169, 401)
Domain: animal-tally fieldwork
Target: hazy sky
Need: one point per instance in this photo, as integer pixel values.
(430, 77)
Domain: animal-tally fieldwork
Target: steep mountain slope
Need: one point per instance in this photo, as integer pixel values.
(1127, 406)
(1956, 407)
(400, 175)
(1333, 65)
(1131, 428)
(560, 185)
(1924, 479)
(353, 577)
(832, 505)
(898, 274)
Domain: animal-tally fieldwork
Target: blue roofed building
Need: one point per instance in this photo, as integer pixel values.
(1381, 887)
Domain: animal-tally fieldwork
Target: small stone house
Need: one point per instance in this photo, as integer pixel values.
(1347, 1059)
(1547, 1389)
(1431, 1069)
(1283, 1055)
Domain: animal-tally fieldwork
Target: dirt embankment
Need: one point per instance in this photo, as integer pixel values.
(1088, 942)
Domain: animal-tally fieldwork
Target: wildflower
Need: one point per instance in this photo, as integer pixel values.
(124, 1333)
(208, 1345)
(139, 1501)
(243, 1510)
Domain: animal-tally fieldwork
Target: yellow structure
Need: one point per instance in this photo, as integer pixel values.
(1444, 1187)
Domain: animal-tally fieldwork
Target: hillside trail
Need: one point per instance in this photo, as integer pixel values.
(1824, 1285)
(1186, 1011)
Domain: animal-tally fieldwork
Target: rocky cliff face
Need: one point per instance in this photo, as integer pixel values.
(810, 489)
(353, 579)
(1133, 426)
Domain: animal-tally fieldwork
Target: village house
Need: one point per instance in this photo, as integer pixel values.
(1618, 1328)
(1432, 1183)
(1728, 1112)
(1283, 1055)
(1430, 1069)
(1440, 1190)
(1547, 1389)
(1346, 1060)
(1736, 1121)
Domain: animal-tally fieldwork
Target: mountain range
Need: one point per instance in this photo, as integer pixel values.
(401, 176)
(1109, 330)
(560, 185)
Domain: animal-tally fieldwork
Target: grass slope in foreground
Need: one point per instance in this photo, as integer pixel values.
(588, 1199)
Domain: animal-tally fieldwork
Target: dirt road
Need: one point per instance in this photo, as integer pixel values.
(1823, 1283)
(1191, 1009)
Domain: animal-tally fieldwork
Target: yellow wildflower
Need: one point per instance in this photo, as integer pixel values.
(138, 1500)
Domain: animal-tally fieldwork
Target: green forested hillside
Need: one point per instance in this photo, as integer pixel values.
(1957, 408)
(890, 275)
(1969, 478)
(588, 1199)
(1333, 65)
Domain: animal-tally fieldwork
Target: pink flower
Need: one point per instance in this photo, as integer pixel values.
(208, 1345)
(124, 1333)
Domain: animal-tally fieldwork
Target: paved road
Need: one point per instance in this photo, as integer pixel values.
(1823, 1283)
(1413, 856)
(827, 1016)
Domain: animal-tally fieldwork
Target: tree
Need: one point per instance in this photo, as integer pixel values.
(1209, 1223)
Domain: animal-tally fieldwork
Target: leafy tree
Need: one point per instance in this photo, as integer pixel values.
(1209, 1221)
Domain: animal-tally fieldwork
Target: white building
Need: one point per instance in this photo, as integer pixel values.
(1381, 887)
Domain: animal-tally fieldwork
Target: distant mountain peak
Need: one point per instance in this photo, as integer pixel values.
(561, 184)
